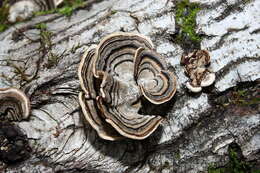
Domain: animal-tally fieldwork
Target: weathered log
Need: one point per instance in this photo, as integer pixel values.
(197, 132)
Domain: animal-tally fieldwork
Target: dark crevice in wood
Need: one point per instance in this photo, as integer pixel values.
(236, 7)
(232, 65)
(223, 38)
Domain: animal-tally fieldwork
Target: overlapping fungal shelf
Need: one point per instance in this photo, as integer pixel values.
(24, 9)
(14, 104)
(190, 139)
(114, 75)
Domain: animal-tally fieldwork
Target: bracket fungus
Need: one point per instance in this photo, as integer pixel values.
(14, 104)
(196, 68)
(24, 9)
(114, 75)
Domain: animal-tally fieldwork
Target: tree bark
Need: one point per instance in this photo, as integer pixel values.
(198, 130)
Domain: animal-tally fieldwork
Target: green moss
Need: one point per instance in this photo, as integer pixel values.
(185, 16)
(41, 26)
(40, 13)
(67, 9)
(113, 12)
(211, 169)
(243, 97)
(4, 10)
(46, 46)
(166, 165)
(235, 165)
(53, 60)
(70, 6)
(45, 37)
(3, 27)
(178, 155)
(19, 69)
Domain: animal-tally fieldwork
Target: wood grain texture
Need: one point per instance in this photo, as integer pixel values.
(194, 134)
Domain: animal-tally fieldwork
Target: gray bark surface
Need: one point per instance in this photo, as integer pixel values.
(196, 133)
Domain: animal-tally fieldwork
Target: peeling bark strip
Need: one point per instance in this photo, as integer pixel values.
(196, 133)
(114, 75)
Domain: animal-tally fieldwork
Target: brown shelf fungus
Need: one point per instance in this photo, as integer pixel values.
(14, 104)
(196, 68)
(114, 75)
(23, 9)
(157, 84)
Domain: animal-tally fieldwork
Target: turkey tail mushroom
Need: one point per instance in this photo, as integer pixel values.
(125, 119)
(14, 104)
(92, 115)
(87, 98)
(111, 97)
(85, 72)
(118, 48)
(158, 85)
(117, 104)
(24, 9)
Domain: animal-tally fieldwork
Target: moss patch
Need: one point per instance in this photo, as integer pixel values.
(67, 9)
(46, 45)
(41, 26)
(4, 9)
(242, 95)
(19, 69)
(243, 99)
(236, 164)
(185, 17)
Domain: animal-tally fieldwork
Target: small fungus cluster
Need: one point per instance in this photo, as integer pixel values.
(196, 68)
(14, 104)
(114, 75)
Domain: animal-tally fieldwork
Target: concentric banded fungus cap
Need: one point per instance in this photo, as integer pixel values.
(158, 85)
(14, 104)
(56, 2)
(119, 94)
(122, 112)
(111, 97)
(88, 96)
(24, 9)
(119, 49)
